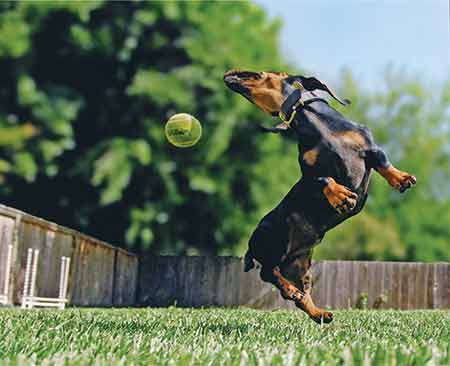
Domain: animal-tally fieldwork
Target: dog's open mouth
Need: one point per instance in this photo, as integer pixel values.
(238, 75)
(233, 79)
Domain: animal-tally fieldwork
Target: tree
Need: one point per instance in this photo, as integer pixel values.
(87, 86)
(97, 81)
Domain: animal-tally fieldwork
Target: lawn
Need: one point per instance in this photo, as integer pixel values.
(177, 336)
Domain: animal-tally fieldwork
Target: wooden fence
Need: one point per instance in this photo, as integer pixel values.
(100, 274)
(220, 281)
(103, 275)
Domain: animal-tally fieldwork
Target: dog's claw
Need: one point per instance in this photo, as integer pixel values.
(407, 182)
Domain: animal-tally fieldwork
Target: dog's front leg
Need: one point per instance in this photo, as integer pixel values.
(397, 179)
(341, 198)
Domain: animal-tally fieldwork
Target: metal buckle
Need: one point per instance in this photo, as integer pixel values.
(283, 117)
(297, 85)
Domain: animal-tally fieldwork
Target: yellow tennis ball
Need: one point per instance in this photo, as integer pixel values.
(183, 130)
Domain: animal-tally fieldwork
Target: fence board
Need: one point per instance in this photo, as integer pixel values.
(420, 298)
(373, 286)
(441, 293)
(125, 281)
(364, 281)
(355, 283)
(30, 236)
(6, 239)
(92, 272)
(412, 275)
(318, 289)
(341, 286)
(448, 287)
(397, 287)
(385, 280)
(330, 284)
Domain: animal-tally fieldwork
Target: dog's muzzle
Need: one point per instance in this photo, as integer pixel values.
(234, 83)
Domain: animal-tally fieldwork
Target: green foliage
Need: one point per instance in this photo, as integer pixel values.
(86, 88)
(222, 337)
(97, 81)
(112, 170)
(15, 35)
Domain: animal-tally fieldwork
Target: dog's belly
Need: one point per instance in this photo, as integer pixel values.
(345, 164)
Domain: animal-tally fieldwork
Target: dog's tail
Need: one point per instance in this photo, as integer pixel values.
(249, 262)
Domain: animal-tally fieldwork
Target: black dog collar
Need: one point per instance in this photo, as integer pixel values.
(288, 108)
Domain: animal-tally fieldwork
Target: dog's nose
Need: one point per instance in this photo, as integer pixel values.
(230, 79)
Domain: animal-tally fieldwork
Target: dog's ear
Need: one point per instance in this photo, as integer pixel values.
(281, 127)
(312, 83)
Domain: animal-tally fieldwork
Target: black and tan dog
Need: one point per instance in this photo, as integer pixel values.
(336, 157)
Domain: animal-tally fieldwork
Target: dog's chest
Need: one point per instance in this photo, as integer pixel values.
(337, 153)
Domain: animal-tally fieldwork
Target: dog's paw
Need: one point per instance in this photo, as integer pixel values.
(323, 317)
(341, 198)
(398, 179)
(404, 181)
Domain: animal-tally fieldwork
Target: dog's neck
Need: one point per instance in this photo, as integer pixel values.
(309, 128)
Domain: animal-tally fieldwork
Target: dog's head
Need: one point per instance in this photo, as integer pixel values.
(268, 90)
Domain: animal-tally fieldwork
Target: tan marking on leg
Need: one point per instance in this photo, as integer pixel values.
(288, 290)
(299, 272)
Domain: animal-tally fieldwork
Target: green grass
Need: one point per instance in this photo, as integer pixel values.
(222, 337)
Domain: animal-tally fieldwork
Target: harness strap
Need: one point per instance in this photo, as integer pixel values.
(292, 102)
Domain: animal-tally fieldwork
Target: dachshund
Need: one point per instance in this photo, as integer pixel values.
(336, 157)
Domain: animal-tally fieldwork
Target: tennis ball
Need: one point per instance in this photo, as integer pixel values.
(183, 130)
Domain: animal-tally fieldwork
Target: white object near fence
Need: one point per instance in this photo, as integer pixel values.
(4, 296)
(29, 300)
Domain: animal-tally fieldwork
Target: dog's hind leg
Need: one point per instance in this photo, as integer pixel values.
(249, 262)
(295, 265)
(396, 178)
(298, 271)
(287, 290)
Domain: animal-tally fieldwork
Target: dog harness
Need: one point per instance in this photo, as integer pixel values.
(293, 102)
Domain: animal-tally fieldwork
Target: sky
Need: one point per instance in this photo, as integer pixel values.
(321, 37)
